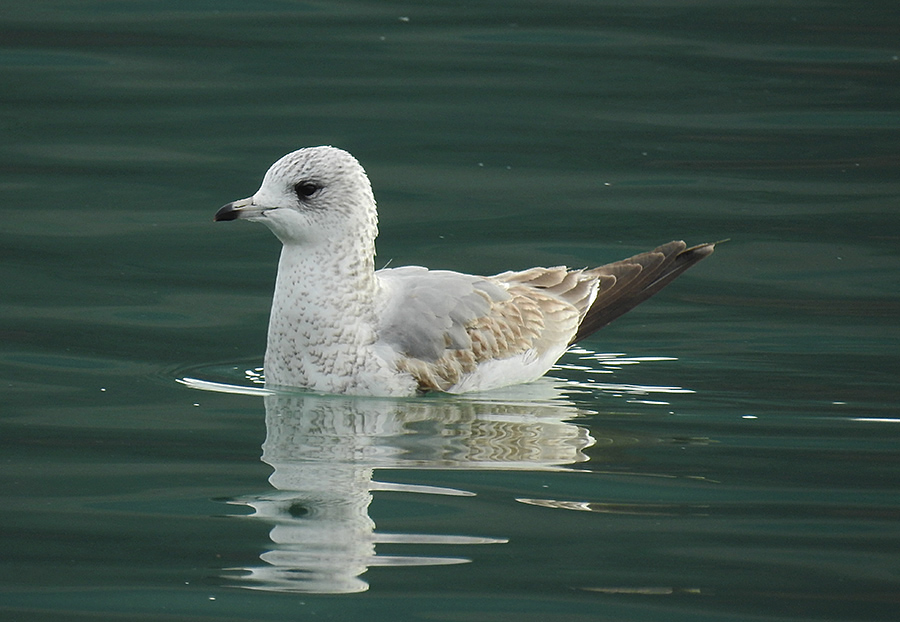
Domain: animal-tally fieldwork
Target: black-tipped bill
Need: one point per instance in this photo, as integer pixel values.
(235, 210)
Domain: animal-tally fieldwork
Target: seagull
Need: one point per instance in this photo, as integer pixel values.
(339, 326)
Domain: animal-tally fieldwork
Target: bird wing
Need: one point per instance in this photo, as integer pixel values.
(453, 331)
(629, 282)
(445, 325)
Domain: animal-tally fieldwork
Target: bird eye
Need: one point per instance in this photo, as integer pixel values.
(306, 189)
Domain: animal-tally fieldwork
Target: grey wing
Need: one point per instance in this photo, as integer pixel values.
(443, 325)
(429, 311)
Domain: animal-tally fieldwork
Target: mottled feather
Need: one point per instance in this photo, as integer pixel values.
(446, 324)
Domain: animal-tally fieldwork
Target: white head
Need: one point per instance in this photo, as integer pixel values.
(312, 196)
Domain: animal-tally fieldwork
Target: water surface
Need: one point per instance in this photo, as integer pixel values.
(726, 451)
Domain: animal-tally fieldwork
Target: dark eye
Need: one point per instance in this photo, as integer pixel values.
(306, 189)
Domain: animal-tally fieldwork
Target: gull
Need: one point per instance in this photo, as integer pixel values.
(339, 326)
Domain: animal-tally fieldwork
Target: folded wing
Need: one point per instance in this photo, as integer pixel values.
(455, 331)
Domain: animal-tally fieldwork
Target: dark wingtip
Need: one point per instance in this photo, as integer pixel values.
(658, 268)
(701, 250)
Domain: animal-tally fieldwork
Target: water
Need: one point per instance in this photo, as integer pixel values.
(728, 451)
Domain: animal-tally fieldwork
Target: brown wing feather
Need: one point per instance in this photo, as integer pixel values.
(637, 279)
(549, 307)
(532, 318)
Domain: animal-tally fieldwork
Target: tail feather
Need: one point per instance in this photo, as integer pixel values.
(627, 283)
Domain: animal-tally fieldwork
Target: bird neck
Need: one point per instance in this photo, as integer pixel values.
(323, 315)
(324, 278)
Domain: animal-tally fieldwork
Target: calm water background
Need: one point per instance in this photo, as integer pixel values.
(729, 451)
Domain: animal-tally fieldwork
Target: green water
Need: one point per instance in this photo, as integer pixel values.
(728, 451)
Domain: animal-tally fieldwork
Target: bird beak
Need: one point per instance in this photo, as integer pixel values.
(244, 208)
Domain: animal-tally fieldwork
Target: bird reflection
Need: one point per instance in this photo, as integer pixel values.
(324, 450)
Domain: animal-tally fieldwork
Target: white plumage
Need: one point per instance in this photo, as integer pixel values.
(339, 326)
